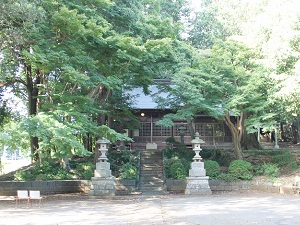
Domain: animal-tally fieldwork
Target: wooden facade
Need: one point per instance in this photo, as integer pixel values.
(213, 132)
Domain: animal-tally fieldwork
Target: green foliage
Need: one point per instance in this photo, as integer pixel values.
(85, 170)
(170, 140)
(267, 169)
(266, 152)
(207, 153)
(176, 168)
(222, 157)
(43, 171)
(226, 177)
(285, 161)
(241, 169)
(128, 171)
(177, 160)
(180, 151)
(177, 171)
(212, 168)
(124, 163)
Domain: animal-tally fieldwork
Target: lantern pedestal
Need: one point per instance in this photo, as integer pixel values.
(103, 181)
(197, 182)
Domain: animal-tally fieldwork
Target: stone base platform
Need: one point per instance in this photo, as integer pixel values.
(198, 186)
(102, 186)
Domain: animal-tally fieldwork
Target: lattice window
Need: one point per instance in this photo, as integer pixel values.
(156, 130)
(146, 129)
(177, 129)
(204, 129)
(219, 130)
(166, 131)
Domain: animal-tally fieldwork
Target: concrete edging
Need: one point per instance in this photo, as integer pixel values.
(221, 185)
(9, 188)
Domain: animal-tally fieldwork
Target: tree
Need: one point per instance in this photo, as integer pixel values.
(204, 28)
(225, 85)
(68, 59)
(55, 64)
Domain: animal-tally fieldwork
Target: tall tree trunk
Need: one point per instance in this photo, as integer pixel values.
(33, 92)
(236, 132)
(296, 131)
(249, 141)
(191, 127)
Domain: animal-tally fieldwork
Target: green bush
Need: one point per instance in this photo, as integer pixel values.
(85, 170)
(179, 151)
(207, 153)
(118, 159)
(177, 171)
(267, 169)
(24, 176)
(212, 168)
(171, 168)
(128, 171)
(226, 177)
(241, 169)
(285, 161)
(43, 171)
(222, 157)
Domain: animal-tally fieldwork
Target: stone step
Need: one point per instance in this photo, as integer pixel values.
(151, 183)
(151, 178)
(151, 160)
(158, 173)
(151, 166)
(151, 171)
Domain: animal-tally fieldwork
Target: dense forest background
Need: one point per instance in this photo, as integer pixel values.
(69, 62)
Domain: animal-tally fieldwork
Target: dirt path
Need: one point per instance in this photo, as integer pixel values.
(222, 209)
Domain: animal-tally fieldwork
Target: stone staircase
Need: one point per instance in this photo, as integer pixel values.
(151, 172)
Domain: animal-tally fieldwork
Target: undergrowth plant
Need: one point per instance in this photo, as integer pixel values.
(241, 169)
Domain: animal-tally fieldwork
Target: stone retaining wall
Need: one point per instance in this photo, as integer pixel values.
(178, 186)
(9, 188)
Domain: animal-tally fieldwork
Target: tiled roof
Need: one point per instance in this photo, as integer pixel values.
(142, 101)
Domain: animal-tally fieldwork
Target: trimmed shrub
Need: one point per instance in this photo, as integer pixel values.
(177, 171)
(226, 177)
(171, 168)
(241, 169)
(212, 168)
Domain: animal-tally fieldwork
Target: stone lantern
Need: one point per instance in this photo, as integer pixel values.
(103, 181)
(196, 147)
(103, 148)
(197, 182)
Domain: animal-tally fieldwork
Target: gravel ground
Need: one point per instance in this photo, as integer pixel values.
(241, 208)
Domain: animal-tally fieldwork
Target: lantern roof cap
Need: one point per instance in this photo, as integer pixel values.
(197, 140)
(103, 141)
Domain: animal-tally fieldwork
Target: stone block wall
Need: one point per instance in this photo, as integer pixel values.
(220, 185)
(124, 186)
(176, 186)
(9, 188)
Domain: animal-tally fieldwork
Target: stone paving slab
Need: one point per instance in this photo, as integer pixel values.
(245, 208)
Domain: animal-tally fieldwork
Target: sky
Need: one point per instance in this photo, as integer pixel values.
(196, 4)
